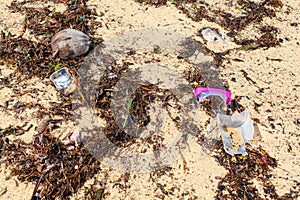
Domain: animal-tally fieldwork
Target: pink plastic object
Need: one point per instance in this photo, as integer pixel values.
(201, 93)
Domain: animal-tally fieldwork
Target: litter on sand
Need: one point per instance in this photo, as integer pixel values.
(63, 81)
(202, 93)
(235, 129)
(211, 35)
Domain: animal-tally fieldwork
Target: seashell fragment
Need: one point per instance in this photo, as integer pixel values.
(70, 43)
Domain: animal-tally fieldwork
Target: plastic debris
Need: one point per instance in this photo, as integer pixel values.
(63, 81)
(225, 36)
(112, 75)
(156, 49)
(211, 35)
(202, 93)
(236, 130)
(70, 43)
(242, 10)
(74, 139)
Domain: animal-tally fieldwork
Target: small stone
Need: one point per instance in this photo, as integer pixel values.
(70, 43)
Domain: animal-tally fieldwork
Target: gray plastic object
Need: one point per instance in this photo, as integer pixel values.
(236, 130)
(63, 81)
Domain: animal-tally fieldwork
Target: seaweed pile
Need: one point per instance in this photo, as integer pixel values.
(57, 171)
(242, 170)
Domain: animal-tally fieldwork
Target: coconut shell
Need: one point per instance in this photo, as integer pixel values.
(70, 43)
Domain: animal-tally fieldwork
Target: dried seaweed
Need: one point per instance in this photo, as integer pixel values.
(57, 172)
(256, 12)
(242, 170)
(267, 39)
(153, 2)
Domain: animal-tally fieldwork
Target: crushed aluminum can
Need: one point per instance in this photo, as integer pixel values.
(63, 81)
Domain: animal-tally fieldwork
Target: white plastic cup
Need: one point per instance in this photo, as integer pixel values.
(236, 130)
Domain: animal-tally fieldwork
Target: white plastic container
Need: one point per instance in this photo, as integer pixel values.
(236, 130)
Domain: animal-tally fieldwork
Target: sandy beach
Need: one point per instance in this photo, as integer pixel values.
(265, 79)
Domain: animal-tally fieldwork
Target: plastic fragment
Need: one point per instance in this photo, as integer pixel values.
(211, 35)
(202, 93)
(236, 130)
(242, 10)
